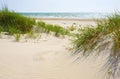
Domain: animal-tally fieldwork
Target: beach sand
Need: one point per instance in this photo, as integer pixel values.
(47, 58)
(67, 22)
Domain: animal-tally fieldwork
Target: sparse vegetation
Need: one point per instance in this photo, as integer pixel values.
(56, 29)
(17, 37)
(73, 27)
(32, 35)
(1, 29)
(16, 24)
(106, 35)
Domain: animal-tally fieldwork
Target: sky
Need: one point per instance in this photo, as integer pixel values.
(62, 5)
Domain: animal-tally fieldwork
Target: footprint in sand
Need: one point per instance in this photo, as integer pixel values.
(38, 57)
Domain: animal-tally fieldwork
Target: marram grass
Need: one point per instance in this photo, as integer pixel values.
(56, 29)
(10, 20)
(105, 36)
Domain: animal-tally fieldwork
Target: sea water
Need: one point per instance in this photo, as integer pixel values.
(86, 15)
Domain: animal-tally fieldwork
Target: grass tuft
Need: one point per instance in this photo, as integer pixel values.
(106, 35)
(17, 37)
(11, 21)
(56, 29)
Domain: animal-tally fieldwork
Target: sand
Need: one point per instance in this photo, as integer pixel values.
(47, 58)
(67, 22)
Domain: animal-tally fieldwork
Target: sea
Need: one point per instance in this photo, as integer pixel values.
(80, 15)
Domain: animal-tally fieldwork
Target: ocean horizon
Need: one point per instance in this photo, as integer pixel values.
(80, 15)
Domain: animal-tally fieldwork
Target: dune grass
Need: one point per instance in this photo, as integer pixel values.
(14, 23)
(56, 29)
(105, 36)
(11, 21)
(17, 24)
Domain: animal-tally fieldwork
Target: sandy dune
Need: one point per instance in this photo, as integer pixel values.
(47, 58)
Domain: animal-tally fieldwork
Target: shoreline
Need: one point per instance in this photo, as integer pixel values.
(70, 19)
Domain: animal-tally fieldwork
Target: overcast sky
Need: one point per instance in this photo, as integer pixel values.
(62, 5)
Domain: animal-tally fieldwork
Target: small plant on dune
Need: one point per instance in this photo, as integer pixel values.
(11, 19)
(105, 36)
(17, 36)
(37, 29)
(31, 34)
(72, 28)
(1, 30)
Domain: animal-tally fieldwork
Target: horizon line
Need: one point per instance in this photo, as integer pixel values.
(58, 12)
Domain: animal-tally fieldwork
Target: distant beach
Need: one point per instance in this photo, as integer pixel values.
(67, 19)
(78, 15)
(67, 22)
